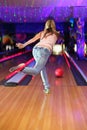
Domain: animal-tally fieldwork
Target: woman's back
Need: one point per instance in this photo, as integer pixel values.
(48, 41)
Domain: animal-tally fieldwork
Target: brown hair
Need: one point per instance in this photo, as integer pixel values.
(50, 28)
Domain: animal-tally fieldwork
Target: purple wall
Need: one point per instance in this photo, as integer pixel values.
(39, 10)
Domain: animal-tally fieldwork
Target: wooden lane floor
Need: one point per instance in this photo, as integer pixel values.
(28, 108)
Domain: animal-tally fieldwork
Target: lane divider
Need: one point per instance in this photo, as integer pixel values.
(12, 56)
(77, 67)
(18, 70)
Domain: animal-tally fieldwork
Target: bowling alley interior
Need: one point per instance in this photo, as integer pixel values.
(24, 102)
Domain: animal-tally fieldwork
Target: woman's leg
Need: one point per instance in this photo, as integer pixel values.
(41, 56)
(45, 81)
(36, 69)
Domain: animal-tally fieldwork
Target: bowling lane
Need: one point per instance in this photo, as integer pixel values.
(60, 107)
(56, 62)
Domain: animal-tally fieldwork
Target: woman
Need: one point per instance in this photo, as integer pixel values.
(41, 51)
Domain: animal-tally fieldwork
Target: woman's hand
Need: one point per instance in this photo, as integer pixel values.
(20, 45)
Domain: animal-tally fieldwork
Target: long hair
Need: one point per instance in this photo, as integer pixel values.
(50, 28)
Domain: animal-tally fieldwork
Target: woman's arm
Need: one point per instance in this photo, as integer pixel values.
(35, 38)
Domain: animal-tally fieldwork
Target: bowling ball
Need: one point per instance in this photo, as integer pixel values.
(59, 72)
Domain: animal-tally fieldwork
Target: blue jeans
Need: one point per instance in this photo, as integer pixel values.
(41, 56)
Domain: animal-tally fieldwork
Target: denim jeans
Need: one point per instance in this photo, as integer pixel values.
(41, 56)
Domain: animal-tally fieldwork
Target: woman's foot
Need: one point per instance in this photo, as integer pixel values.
(20, 67)
(46, 90)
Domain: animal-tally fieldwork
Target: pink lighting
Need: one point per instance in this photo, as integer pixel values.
(66, 60)
(12, 56)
